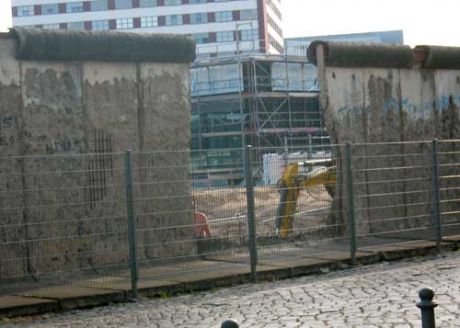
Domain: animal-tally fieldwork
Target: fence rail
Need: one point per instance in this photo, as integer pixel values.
(100, 219)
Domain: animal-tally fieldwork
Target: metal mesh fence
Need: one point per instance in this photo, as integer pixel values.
(190, 217)
(448, 155)
(298, 201)
(66, 219)
(392, 192)
(62, 220)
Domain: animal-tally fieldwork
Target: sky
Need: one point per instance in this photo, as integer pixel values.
(423, 21)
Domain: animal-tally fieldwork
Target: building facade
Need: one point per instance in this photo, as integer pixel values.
(220, 27)
(298, 46)
(268, 101)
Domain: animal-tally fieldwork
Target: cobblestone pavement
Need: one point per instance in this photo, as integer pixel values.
(381, 295)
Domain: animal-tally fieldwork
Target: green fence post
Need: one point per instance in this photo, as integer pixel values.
(251, 211)
(131, 223)
(351, 202)
(435, 211)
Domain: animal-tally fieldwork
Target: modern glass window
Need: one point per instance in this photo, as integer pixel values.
(226, 36)
(201, 37)
(249, 35)
(148, 3)
(25, 11)
(123, 4)
(248, 14)
(151, 21)
(50, 9)
(75, 7)
(198, 18)
(124, 23)
(173, 20)
(100, 25)
(224, 16)
(172, 2)
(98, 5)
(76, 26)
(50, 26)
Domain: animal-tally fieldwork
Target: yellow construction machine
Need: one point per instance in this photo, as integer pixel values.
(294, 179)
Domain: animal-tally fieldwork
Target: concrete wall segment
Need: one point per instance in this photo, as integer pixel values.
(365, 104)
(166, 94)
(111, 102)
(72, 108)
(9, 72)
(11, 184)
(53, 115)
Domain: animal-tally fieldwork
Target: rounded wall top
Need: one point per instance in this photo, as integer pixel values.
(358, 54)
(107, 46)
(439, 57)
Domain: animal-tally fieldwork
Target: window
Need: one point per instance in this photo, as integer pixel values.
(76, 26)
(172, 2)
(224, 16)
(248, 14)
(25, 11)
(275, 9)
(101, 25)
(275, 44)
(197, 1)
(124, 23)
(226, 36)
(75, 7)
(123, 4)
(98, 5)
(51, 26)
(198, 18)
(173, 20)
(50, 9)
(274, 25)
(148, 3)
(249, 35)
(201, 37)
(149, 21)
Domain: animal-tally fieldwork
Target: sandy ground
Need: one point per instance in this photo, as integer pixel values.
(226, 209)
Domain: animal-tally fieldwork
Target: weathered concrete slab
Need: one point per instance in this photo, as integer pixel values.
(300, 266)
(157, 270)
(12, 306)
(125, 284)
(71, 297)
(224, 276)
(336, 255)
(294, 262)
(390, 248)
(405, 249)
(57, 111)
(272, 272)
(146, 287)
(223, 272)
(390, 110)
(452, 238)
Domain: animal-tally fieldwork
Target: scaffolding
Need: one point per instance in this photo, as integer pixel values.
(270, 102)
